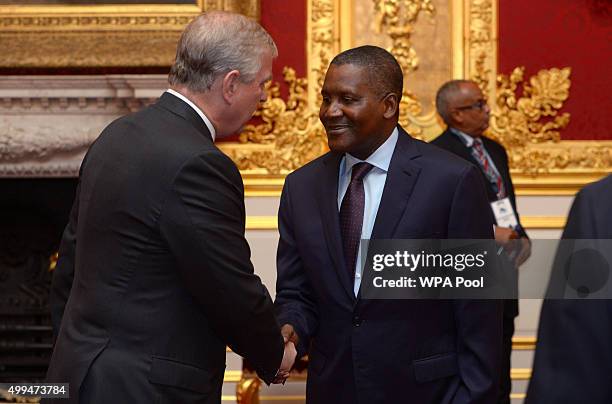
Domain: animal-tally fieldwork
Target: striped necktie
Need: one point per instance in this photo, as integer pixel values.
(490, 172)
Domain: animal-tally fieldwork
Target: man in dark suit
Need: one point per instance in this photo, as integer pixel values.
(463, 108)
(574, 349)
(154, 277)
(379, 183)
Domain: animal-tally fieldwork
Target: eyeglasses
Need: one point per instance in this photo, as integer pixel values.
(480, 104)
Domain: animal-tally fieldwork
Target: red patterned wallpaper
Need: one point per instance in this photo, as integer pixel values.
(541, 34)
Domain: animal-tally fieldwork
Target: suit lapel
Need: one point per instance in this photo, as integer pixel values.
(179, 107)
(328, 205)
(460, 149)
(401, 179)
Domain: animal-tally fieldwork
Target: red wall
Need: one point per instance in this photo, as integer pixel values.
(285, 20)
(541, 34)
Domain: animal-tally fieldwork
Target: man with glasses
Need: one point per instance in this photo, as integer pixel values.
(462, 106)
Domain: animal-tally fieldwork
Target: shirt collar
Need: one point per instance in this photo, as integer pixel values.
(381, 158)
(209, 124)
(467, 140)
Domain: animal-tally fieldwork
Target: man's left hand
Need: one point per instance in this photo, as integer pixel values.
(524, 252)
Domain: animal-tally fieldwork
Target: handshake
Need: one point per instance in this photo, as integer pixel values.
(290, 354)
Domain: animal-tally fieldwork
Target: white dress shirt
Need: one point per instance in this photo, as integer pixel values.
(209, 124)
(373, 184)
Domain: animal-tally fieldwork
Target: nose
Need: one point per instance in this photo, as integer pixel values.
(486, 108)
(263, 96)
(331, 110)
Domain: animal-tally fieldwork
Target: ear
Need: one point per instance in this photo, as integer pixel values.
(391, 105)
(456, 116)
(230, 85)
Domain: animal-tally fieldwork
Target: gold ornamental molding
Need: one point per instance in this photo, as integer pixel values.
(527, 116)
(529, 126)
(69, 36)
(529, 222)
(397, 19)
(288, 137)
(480, 43)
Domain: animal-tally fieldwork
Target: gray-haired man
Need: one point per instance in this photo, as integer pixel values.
(154, 277)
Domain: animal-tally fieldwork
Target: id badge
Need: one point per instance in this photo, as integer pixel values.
(504, 213)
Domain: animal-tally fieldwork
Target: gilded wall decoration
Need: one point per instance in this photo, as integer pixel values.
(518, 121)
(289, 133)
(529, 125)
(481, 44)
(289, 136)
(323, 44)
(103, 35)
(397, 19)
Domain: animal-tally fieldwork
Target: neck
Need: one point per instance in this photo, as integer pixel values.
(462, 130)
(207, 107)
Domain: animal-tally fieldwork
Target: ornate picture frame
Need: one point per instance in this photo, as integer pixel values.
(100, 35)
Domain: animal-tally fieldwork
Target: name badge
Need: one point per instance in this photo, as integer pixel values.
(504, 214)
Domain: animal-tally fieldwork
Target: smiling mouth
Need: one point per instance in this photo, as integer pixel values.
(333, 129)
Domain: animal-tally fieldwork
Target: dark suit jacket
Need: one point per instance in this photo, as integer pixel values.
(574, 351)
(154, 270)
(377, 351)
(449, 141)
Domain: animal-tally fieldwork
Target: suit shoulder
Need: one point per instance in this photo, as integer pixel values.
(599, 188)
(444, 159)
(442, 139)
(309, 170)
(491, 144)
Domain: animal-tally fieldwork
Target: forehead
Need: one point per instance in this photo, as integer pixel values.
(469, 91)
(347, 78)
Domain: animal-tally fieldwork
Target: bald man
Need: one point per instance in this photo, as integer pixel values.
(462, 106)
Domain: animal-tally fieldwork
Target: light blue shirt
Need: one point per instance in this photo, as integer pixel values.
(373, 184)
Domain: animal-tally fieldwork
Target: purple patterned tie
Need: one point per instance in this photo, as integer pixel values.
(351, 216)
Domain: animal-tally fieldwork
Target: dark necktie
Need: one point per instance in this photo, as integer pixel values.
(351, 216)
(494, 178)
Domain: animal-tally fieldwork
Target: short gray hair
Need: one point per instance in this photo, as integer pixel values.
(444, 94)
(215, 43)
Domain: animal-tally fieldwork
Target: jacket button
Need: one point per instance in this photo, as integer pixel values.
(357, 321)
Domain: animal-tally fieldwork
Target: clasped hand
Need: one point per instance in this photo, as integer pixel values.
(291, 339)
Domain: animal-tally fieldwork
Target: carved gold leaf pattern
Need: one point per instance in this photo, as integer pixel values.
(322, 46)
(289, 136)
(519, 122)
(397, 19)
(481, 45)
(43, 36)
(88, 49)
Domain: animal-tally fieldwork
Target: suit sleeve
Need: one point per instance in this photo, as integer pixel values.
(61, 284)
(63, 275)
(203, 222)
(573, 349)
(294, 296)
(478, 322)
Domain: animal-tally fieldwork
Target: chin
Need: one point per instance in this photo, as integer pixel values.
(337, 146)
